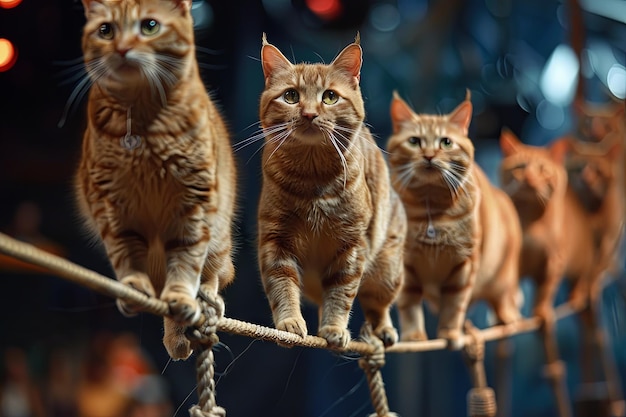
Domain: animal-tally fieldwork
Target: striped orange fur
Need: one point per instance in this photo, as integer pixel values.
(163, 209)
(594, 183)
(464, 237)
(537, 185)
(330, 225)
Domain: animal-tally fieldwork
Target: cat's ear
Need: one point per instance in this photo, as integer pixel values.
(400, 112)
(87, 6)
(614, 150)
(272, 59)
(559, 150)
(462, 115)
(184, 5)
(350, 60)
(509, 143)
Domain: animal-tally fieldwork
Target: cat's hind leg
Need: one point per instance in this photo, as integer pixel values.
(455, 297)
(411, 309)
(379, 288)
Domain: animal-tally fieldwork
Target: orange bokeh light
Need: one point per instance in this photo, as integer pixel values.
(9, 4)
(326, 9)
(8, 55)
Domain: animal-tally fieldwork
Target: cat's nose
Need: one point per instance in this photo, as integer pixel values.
(309, 116)
(429, 157)
(123, 51)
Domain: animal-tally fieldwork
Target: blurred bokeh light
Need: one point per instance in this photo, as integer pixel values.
(8, 55)
(9, 4)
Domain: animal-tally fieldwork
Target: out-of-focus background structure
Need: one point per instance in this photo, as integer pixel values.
(66, 351)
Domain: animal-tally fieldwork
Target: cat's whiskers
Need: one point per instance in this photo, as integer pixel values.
(159, 71)
(405, 174)
(330, 135)
(260, 136)
(339, 130)
(98, 69)
(452, 183)
(456, 180)
(279, 138)
(244, 143)
(75, 73)
(154, 81)
(542, 198)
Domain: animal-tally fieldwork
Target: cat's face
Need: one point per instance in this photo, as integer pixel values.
(593, 169)
(529, 174)
(132, 44)
(430, 149)
(311, 104)
(596, 123)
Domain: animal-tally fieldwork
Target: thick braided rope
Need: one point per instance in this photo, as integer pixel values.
(80, 275)
(90, 279)
(279, 336)
(206, 386)
(481, 399)
(100, 283)
(371, 365)
(203, 338)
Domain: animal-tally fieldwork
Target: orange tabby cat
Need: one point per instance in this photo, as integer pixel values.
(329, 223)
(594, 123)
(537, 185)
(594, 171)
(157, 177)
(464, 237)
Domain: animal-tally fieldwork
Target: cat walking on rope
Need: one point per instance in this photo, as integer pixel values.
(464, 237)
(330, 225)
(156, 180)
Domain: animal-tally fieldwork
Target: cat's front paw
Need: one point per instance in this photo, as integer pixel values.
(387, 334)
(183, 308)
(546, 314)
(455, 338)
(176, 343)
(293, 325)
(335, 336)
(414, 336)
(140, 282)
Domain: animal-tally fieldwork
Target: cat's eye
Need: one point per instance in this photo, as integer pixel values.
(291, 96)
(414, 140)
(330, 97)
(105, 31)
(445, 143)
(150, 27)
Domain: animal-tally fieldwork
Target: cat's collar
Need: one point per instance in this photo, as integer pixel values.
(130, 141)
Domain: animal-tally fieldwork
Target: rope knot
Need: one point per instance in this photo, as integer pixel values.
(371, 365)
(215, 411)
(204, 335)
(481, 400)
(376, 360)
(475, 349)
(205, 331)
